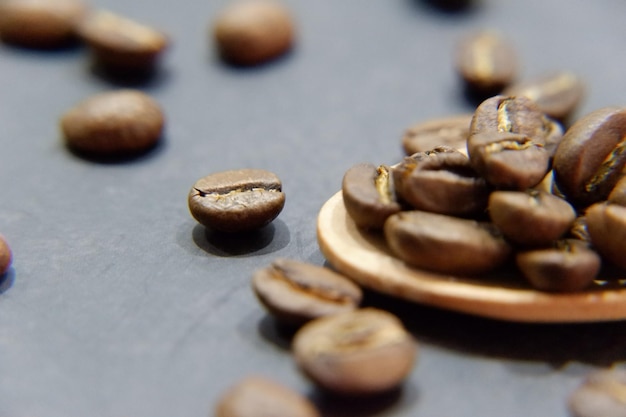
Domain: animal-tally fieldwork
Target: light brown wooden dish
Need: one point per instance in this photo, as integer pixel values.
(364, 257)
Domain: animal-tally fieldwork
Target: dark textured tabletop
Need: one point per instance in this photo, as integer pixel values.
(119, 304)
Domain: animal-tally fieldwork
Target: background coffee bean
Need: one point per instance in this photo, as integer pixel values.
(590, 158)
(360, 352)
(606, 224)
(40, 23)
(448, 131)
(113, 123)
(120, 44)
(6, 256)
(256, 396)
(237, 200)
(251, 32)
(296, 292)
(600, 395)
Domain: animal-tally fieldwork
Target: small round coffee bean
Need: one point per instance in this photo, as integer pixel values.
(237, 200)
(449, 131)
(486, 61)
(606, 224)
(368, 195)
(441, 181)
(6, 256)
(508, 160)
(122, 122)
(251, 32)
(566, 266)
(532, 217)
(120, 44)
(256, 396)
(40, 23)
(590, 158)
(602, 394)
(296, 292)
(446, 244)
(557, 94)
(361, 352)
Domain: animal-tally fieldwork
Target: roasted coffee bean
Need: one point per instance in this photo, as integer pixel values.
(441, 181)
(120, 122)
(236, 201)
(602, 394)
(368, 195)
(122, 45)
(566, 266)
(530, 218)
(591, 157)
(446, 244)
(6, 256)
(251, 32)
(296, 292)
(256, 396)
(449, 131)
(556, 94)
(618, 193)
(486, 61)
(40, 23)
(361, 352)
(508, 160)
(606, 224)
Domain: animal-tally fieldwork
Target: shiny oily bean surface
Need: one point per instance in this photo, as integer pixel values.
(448, 131)
(606, 224)
(120, 44)
(369, 195)
(508, 160)
(532, 217)
(6, 256)
(296, 292)
(602, 394)
(250, 32)
(565, 266)
(442, 181)
(446, 244)
(40, 23)
(556, 94)
(361, 352)
(236, 200)
(591, 156)
(122, 122)
(257, 396)
(486, 61)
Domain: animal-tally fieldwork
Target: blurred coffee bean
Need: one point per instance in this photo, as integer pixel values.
(6, 256)
(448, 131)
(602, 394)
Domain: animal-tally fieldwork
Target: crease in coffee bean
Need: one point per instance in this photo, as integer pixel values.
(483, 55)
(356, 335)
(382, 183)
(511, 145)
(229, 191)
(613, 162)
(321, 291)
(504, 122)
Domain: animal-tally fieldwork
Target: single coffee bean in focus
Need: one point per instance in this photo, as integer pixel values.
(250, 32)
(237, 200)
(6, 256)
(361, 352)
(601, 394)
(122, 122)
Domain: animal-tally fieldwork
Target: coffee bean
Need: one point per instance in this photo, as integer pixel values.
(40, 23)
(120, 122)
(120, 44)
(566, 266)
(618, 193)
(531, 218)
(251, 32)
(602, 394)
(448, 131)
(6, 256)
(606, 224)
(579, 229)
(368, 195)
(441, 181)
(508, 160)
(556, 94)
(296, 292)
(590, 159)
(361, 352)
(486, 61)
(256, 396)
(236, 201)
(446, 244)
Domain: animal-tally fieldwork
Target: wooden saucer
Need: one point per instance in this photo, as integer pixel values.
(364, 257)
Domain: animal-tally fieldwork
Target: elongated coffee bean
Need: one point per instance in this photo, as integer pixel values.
(296, 292)
(237, 200)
